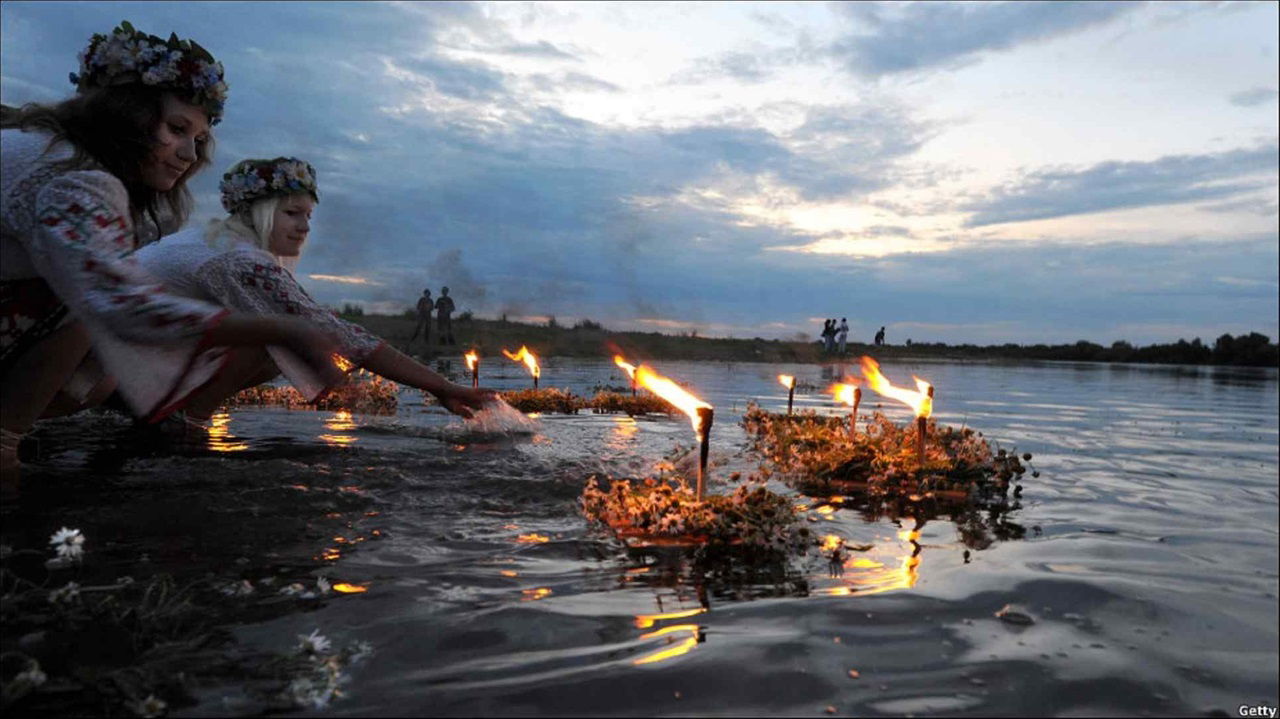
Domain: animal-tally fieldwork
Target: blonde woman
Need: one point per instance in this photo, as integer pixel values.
(84, 182)
(244, 262)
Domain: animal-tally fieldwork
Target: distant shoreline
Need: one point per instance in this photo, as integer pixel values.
(490, 337)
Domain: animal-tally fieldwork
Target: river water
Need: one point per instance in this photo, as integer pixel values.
(1147, 558)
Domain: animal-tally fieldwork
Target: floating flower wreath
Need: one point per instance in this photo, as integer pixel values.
(252, 180)
(129, 56)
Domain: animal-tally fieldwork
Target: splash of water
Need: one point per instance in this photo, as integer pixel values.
(501, 418)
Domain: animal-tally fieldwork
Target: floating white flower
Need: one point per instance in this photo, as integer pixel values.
(313, 643)
(322, 585)
(68, 543)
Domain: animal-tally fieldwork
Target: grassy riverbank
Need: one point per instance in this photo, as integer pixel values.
(490, 337)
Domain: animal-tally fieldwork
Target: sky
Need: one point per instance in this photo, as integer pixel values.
(963, 173)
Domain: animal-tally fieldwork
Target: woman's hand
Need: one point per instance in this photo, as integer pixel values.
(465, 401)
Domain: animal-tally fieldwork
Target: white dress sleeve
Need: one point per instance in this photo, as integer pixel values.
(249, 280)
(78, 241)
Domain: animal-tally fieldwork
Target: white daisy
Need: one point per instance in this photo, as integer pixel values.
(313, 643)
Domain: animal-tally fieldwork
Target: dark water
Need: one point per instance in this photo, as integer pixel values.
(1149, 561)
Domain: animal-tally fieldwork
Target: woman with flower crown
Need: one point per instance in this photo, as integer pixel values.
(244, 262)
(85, 182)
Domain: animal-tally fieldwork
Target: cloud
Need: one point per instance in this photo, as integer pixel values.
(1254, 97)
(441, 164)
(540, 49)
(468, 80)
(904, 38)
(1116, 184)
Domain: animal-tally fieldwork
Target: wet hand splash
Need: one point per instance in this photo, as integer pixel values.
(498, 417)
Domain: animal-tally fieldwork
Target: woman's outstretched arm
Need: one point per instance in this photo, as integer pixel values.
(399, 367)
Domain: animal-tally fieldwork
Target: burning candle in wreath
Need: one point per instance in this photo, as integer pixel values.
(629, 368)
(920, 401)
(473, 364)
(850, 394)
(529, 359)
(700, 413)
(790, 383)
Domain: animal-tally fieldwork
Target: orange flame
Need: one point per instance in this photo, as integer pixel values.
(844, 393)
(529, 359)
(919, 401)
(625, 365)
(671, 392)
(787, 381)
(343, 363)
(471, 358)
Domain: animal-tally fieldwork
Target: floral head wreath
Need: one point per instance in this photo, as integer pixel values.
(128, 56)
(251, 180)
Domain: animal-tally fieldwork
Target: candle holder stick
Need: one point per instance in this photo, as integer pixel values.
(853, 416)
(705, 417)
(922, 426)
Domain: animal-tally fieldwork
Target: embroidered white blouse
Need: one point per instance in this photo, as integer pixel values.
(241, 277)
(73, 229)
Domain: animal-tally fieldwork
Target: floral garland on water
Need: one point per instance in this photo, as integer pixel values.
(764, 525)
(129, 56)
(814, 453)
(251, 180)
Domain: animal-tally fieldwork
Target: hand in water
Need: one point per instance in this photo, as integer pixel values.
(465, 402)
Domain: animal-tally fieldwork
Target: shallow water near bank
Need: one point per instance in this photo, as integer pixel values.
(1145, 552)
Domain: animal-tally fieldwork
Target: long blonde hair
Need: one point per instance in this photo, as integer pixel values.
(252, 226)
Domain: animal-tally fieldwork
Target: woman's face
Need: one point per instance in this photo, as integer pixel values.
(291, 224)
(183, 129)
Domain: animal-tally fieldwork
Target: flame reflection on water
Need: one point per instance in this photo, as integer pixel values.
(684, 646)
(878, 573)
(220, 437)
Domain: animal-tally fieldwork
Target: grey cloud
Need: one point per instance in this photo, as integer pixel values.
(1114, 185)
(542, 49)
(1264, 206)
(468, 80)
(920, 36)
(741, 66)
(572, 81)
(1254, 97)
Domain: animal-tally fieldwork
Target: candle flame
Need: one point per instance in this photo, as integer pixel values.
(625, 365)
(844, 392)
(472, 358)
(787, 381)
(529, 359)
(919, 401)
(671, 392)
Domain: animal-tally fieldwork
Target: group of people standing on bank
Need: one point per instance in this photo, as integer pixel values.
(102, 299)
(444, 308)
(835, 337)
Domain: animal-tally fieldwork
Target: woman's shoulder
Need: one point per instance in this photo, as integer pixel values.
(31, 167)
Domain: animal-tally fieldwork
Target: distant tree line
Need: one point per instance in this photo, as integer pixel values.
(1253, 349)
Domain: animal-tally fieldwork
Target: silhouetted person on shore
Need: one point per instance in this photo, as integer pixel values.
(844, 334)
(880, 337)
(425, 306)
(444, 323)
